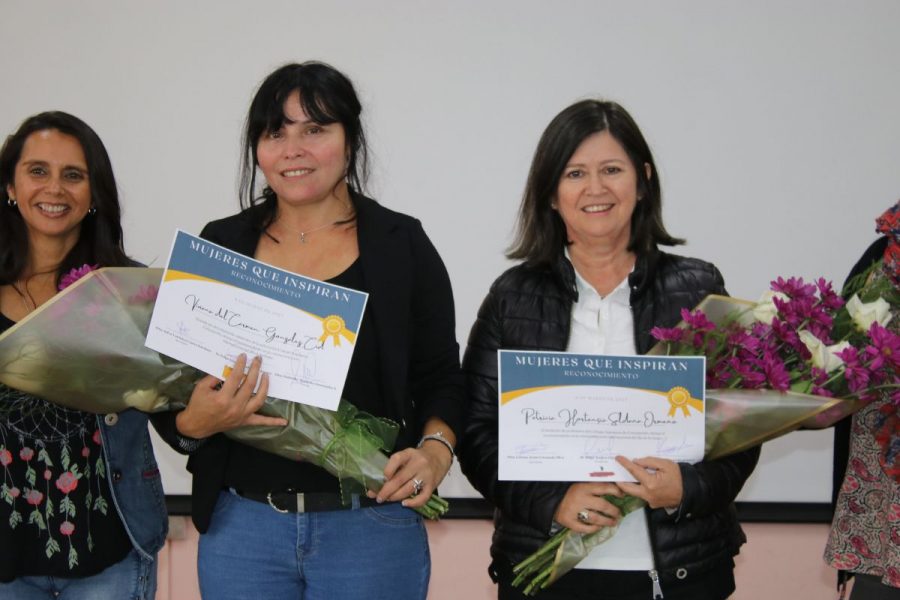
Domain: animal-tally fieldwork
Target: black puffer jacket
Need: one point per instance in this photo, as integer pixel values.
(529, 308)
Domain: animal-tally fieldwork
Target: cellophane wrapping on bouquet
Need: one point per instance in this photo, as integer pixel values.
(84, 350)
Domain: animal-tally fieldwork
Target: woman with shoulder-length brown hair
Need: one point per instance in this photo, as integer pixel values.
(593, 281)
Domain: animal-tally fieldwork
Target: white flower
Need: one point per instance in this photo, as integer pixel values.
(764, 310)
(823, 357)
(866, 313)
(144, 400)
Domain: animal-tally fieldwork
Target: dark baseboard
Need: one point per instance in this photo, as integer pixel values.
(749, 512)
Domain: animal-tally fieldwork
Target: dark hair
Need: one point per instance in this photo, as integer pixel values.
(100, 240)
(327, 96)
(540, 232)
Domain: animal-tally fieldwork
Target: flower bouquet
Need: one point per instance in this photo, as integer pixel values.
(798, 358)
(84, 349)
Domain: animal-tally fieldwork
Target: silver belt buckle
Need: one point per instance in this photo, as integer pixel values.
(300, 504)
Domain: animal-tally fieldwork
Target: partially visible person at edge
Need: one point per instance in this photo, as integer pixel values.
(592, 280)
(83, 513)
(864, 541)
(304, 135)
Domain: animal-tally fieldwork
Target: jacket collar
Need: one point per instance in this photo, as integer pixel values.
(639, 279)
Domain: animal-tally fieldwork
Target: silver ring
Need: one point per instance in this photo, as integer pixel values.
(417, 486)
(584, 517)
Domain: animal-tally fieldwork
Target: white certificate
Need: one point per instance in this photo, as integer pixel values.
(215, 304)
(565, 417)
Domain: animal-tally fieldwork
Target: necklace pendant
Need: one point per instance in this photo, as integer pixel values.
(302, 237)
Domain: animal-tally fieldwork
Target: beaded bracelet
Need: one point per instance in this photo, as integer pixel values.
(438, 436)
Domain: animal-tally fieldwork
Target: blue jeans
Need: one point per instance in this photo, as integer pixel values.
(132, 578)
(251, 551)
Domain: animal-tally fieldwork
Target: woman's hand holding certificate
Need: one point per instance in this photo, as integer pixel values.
(658, 481)
(217, 406)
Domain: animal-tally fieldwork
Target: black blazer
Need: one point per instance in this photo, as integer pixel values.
(412, 310)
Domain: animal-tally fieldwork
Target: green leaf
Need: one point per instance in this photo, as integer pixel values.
(65, 457)
(50, 508)
(100, 504)
(15, 517)
(88, 499)
(67, 506)
(30, 476)
(73, 557)
(101, 468)
(51, 547)
(44, 457)
(35, 518)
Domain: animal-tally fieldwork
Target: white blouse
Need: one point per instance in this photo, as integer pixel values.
(606, 326)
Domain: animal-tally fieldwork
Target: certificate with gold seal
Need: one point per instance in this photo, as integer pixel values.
(215, 304)
(565, 417)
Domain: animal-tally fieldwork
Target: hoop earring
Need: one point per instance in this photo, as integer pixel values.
(11, 202)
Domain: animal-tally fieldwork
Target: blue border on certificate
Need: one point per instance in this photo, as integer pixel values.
(197, 258)
(525, 370)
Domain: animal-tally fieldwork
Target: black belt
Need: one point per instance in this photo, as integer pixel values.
(293, 502)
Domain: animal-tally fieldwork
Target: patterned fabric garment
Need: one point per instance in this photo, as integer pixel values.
(865, 532)
(55, 497)
(889, 224)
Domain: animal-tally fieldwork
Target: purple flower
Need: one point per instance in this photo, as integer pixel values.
(855, 372)
(788, 335)
(821, 391)
(697, 320)
(776, 373)
(794, 287)
(751, 377)
(829, 299)
(76, 274)
(819, 376)
(742, 342)
(885, 348)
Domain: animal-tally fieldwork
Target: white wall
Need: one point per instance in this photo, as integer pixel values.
(774, 123)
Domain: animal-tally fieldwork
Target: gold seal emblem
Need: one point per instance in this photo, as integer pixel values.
(333, 327)
(680, 398)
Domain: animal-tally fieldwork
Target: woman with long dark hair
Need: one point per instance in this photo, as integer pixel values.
(84, 513)
(275, 528)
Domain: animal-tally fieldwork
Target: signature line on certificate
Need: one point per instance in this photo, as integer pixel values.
(601, 473)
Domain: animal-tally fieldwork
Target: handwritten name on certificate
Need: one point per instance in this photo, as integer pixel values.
(565, 417)
(215, 304)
